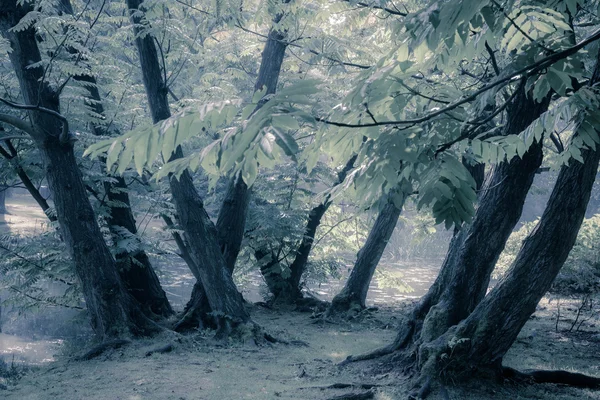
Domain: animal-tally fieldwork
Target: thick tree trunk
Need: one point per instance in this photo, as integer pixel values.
(493, 326)
(464, 277)
(113, 312)
(231, 221)
(199, 231)
(354, 294)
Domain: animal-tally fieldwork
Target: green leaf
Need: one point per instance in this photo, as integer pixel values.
(286, 142)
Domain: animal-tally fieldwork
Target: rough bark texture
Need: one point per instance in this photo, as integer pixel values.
(135, 268)
(493, 326)
(113, 312)
(464, 277)
(199, 231)
(354, 294)
(231, 221)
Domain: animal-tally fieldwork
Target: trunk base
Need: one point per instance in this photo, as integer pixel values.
(346, 306)
(196, 313)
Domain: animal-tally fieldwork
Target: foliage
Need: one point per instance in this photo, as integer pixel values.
(580, 273)
(38, 273)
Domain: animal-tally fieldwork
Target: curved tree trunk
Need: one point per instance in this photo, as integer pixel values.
(464, 277)
(354, 293)
(493, 326)
(231, 221)
(199, 231)
(113, 312)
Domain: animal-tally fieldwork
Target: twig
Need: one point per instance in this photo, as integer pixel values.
(388, 10)
(492, 58)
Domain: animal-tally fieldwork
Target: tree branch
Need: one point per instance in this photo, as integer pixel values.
(17, 123)
(64, 136)
(524, 73)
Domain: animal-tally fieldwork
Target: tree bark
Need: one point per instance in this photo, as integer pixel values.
(494, 324)
(231, 221)
(464, 277)
(354, 294)
(113, 312)
(3, 190)
(199, 231)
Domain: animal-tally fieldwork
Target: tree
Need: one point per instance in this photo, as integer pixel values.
(353, 296)
(231, 221)
(199, 231)
(134, 266)
(479, 343)
(3, 190)
(113, 312)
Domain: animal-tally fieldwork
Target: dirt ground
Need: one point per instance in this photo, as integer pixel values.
(198, 368)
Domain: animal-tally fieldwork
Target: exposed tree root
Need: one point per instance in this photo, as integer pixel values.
(355, 396)
(102, 347)
(348, 385)
(559, 377)
(344, 307)
(308, 303)
(403, 339)
(383, 351)
(167, 348)
(195, 315)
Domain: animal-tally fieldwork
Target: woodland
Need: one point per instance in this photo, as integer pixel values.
(301, 143)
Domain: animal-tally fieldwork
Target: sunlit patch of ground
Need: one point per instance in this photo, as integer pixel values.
(24, 217)
(28, 351)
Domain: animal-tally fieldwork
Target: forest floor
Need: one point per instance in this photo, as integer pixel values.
(199, 368)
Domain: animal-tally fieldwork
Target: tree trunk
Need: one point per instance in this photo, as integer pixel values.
(493, 326)
(199, 231)
(231, 221)
(464, 277)
(3, 190)
(113, 312)
(354, 294)
(288, 289)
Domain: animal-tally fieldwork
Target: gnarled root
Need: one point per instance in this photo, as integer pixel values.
(102, 347)
(404, 337)
(344, 306)
(355, 396)
(196, 313)
(560, 377)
